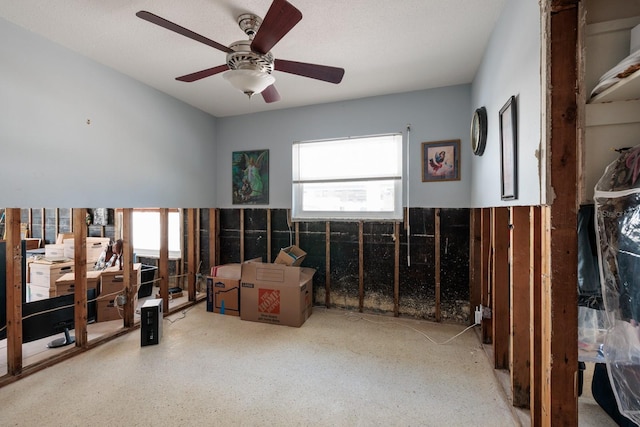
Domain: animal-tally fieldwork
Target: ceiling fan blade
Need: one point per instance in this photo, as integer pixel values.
(281, 17)
(155, 19)
(270, 94)
(202, 74)
(314, 71)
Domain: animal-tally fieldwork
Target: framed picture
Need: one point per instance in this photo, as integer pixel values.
(250, 177)
(441, 161)
(509, 150)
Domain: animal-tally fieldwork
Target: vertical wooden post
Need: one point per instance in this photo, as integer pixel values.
(396, 271)
(535, 320)
(242, 235)
(360, 266)
(129, 275)
(475, 260)
(56, 226)
(559, 318)
(191, 253)
(519, 253)
(437, 263)
(80, 276)
(30, 220)
(13, 260)
(163, 259)
(214, 221)
(197, 242)
(297, 232)
(500, 295)
(486, 274)
(327, 255)
(179, 281)
(212, 239)
(268, 235)
(42, 227)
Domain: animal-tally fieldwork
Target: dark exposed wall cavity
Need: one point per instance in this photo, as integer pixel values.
(417, 290)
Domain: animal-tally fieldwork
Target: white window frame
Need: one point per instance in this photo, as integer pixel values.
(146, 233)
(392, 176)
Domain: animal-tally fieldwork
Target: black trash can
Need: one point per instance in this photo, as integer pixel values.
(147, 274)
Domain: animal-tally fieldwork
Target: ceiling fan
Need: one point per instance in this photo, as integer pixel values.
(250, 62)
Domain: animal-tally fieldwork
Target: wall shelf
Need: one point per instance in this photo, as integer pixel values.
(626, 89)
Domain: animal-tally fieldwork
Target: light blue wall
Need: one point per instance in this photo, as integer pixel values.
(142, 148)
(436, 114)
(510, 66)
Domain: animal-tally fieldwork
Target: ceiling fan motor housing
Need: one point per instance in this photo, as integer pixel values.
(242, 58)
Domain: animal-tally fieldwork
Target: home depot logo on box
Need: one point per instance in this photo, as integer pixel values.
(269, 301)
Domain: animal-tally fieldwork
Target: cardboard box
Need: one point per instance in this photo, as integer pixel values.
(291, 255)
(276, 293)
(62, 236)
(37, 293)
(223, 295)
(107, 310)
(66, 284)
(54, 252)
(95, 246)
(31, 243)
(45, 274)
(223, 289)
(230, 271)
(227, 271)
(112, 279)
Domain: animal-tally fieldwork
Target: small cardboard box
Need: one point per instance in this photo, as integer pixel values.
(43, 273)
(223, 295)
(276, 293)
(94, 246)
(291, 255)
(112, 279)
(54, 252)
(37, 293)
(107, 310)
(223, 289)
(66, 284)
(62, 236)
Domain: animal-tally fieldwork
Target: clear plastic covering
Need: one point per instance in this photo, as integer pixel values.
(592, 319)
(617, 201)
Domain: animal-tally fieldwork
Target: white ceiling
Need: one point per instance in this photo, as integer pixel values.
(385, 46)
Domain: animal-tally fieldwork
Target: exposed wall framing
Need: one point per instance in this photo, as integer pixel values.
(559, 316)
(500, 229)
(520, 302)
(360, 265)
(63, 221)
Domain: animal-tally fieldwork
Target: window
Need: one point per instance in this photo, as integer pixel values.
(146, 233)
(356, 178)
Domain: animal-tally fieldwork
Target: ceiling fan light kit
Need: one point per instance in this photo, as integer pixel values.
(249, 82)
(249, 62)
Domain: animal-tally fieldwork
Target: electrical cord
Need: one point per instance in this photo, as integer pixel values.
(184, 314)
(357, 317)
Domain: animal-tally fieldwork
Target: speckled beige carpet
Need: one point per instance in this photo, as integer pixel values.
(210, 370)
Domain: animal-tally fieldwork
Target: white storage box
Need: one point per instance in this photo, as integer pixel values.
(54, 252)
